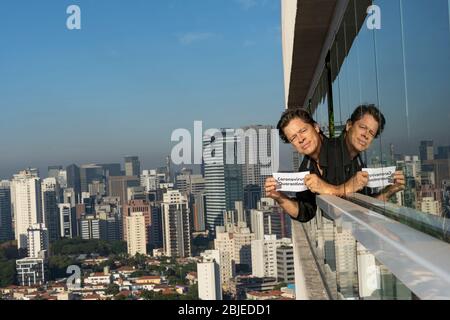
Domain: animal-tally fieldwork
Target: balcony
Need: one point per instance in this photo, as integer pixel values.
(384, 252)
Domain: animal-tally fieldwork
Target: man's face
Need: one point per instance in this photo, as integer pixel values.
(304, 137)
(361, 133)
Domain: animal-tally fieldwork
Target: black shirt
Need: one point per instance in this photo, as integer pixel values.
(337, 168)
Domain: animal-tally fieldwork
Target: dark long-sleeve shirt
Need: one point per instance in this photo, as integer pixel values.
(337, 168)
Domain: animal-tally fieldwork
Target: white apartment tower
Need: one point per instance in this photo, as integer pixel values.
(264, 257)
(136, 234)
(208, 273)
(26, 203)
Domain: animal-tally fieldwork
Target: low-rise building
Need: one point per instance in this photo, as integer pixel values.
(148, 280)
(98, 278)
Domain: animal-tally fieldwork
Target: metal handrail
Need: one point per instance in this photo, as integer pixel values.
(421, 262)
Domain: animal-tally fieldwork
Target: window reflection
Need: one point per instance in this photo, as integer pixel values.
(404, 69)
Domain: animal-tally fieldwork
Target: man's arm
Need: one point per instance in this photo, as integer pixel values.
(389, 191)
(302, 209)
(354, 184)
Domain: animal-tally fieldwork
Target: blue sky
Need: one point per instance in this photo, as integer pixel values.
(136, 71)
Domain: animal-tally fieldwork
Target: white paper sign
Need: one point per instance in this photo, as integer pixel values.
(380, 177)
(291, 182)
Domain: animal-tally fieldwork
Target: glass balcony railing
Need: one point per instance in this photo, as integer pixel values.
(363, 254)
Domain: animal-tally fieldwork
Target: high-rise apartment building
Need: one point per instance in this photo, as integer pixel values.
(66, 220)
(6, 226)
(92, 227)
(136, 234)
(38, 241)
(141, 206)
(285, 263)
(208, 273)
(50, 196)
(26, 202)
(176, 225)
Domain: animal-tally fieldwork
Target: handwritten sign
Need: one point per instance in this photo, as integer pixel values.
(291, 182)
(380, 177)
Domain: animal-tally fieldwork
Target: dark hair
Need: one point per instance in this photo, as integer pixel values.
(364, 109)
(288, 116)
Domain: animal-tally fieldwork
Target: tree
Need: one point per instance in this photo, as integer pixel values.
(58, 266)
(140, 273)
(279, 286)
(8, 256)
(192, 293)
(7, 273)
(78, 246)
(113, 289)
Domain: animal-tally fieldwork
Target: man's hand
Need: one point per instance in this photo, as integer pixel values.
(317, 185)
(271, 190)
(289, 205)
(399, 185)
(357, 182)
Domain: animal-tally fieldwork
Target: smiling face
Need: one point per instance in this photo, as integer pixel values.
(304, 137)
(361, 133)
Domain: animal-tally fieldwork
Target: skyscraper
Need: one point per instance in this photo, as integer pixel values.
(264, 256)
(237, 240)
(53, 171)
(118, 187)
(26, 201)
(260, 150)
(88, 174)
(199, 212)
(93, 228)
(426, 150)
(136, 234)
(132, 166)
(176, 225)
(208, 273)
(267, 221)
(252, 195)
(6, 227)
(37, 241)
(111, 169)
(141, 206)
(224, 243)
(74, 181)
(150, 180)
(285, 263)
(50, 192)
(66, 220)
(223, 177)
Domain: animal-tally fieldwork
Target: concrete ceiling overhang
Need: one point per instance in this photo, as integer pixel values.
(313, 21)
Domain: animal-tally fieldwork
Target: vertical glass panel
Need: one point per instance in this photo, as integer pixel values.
(413, 71)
